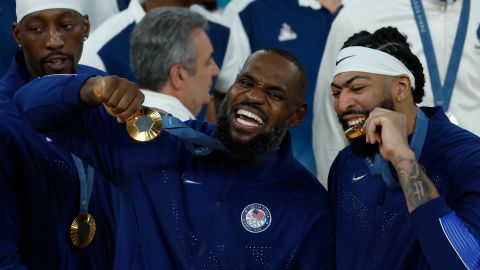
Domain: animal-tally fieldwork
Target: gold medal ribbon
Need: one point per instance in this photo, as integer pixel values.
(148, 123)
(83, 227)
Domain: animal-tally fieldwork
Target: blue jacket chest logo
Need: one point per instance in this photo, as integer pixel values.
(256, 218)
(286, 33)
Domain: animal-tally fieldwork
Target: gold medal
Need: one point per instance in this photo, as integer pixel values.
(355, 132)
(82, 230)
(146, 125)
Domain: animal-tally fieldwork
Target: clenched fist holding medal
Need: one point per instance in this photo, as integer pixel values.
(122, 99)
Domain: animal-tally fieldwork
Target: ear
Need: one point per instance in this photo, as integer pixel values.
(299, 114)
(175, 76)
(86, 27)
(16, 33)
(402, 88)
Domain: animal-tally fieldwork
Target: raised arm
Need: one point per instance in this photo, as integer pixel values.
(448, 234)
(67, 109)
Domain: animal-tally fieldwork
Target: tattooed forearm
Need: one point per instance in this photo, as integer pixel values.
(416, 185)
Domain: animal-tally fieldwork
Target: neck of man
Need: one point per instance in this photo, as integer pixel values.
(180, 94)
(411, 114)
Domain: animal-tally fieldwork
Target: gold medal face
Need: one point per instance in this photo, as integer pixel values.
(355, 132)
(146, 125)
(82, 230)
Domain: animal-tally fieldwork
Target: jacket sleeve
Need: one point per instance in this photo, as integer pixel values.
(9, 232)
(10, 221)
(446, 239)
(52, 105)
(449, 231)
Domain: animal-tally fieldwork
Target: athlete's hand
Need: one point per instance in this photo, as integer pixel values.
(121, 98)
(389, 130)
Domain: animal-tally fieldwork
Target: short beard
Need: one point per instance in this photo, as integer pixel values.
(359, 146)
(260, 144)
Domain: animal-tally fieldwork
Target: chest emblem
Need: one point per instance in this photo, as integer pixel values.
(286, 33)
(358, 178)
(256, 218)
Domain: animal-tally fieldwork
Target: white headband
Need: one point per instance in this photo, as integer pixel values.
(25, 7)
(364, 59)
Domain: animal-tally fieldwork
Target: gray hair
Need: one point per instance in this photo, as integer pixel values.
(161, 40)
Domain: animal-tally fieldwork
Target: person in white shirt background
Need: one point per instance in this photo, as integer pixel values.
(171, 56)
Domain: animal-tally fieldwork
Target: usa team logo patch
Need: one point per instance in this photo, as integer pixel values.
(256, 218)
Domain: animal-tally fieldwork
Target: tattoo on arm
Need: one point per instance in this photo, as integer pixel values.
(416, 185)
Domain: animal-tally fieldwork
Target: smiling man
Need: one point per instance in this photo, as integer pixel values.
(254, 207)
(406, 191)
(244, 124)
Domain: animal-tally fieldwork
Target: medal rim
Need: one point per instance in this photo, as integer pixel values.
(153, 132)
(74, 234)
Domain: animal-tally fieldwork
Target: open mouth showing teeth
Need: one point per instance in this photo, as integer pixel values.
(356, 128)
(247, 118)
